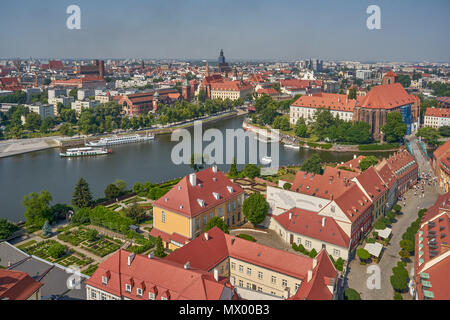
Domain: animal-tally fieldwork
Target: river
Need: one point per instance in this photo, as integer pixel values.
(150, 161)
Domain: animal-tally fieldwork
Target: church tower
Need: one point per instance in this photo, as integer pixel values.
(390, 78)
(186, 90)
(155, 101)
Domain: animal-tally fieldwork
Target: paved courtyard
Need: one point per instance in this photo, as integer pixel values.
(357, 276)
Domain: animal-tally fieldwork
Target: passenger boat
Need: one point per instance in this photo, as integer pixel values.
(110, 141)
(292, 146)
(266, 160)
(86, 151)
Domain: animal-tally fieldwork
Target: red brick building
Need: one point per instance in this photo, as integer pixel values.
(145, 102)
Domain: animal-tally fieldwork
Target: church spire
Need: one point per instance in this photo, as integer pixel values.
(207, 69)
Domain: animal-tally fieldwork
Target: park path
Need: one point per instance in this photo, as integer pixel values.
(357, 275)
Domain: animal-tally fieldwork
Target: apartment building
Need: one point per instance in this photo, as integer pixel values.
(65, 101)
(312, 231)
(126, 276)
(258, 271)
(182, 213)
(437, 117)
(441, 165)
(432, 253)
(232, 90)
(306, 106)
(44, 110)
(405, 168)
(80, 105)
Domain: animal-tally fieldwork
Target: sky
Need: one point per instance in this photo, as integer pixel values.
(411, 30)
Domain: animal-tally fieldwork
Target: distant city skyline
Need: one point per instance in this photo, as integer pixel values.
(285, 30)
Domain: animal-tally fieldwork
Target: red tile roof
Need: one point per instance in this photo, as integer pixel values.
(332, 183)
(163, 277)
(184, 198)
(438, 112)
(442, 150)
(400, 160)
(353, 202)
(386, 174)
(317, 287)
(309, 224)
(206, 254)
(230, 86)
(299, 84)
(386, 96)
(337, 102)
(17, 285)
(372, 183)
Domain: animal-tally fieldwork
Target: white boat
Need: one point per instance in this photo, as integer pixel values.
(86, 151)
(266, 160)
(109, 141)
(292, 146)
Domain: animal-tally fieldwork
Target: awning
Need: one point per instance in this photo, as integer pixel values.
(374, 248)
(384, 233)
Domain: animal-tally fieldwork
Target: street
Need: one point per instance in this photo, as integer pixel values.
(357, 275)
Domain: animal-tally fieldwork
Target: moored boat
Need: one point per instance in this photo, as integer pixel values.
(292, 146)
(86, 151)
(115, 140)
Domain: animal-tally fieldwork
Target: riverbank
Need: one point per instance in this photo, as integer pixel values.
(14, 147)
(289, 139)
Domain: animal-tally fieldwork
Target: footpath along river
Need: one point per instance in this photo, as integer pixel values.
(149, 161)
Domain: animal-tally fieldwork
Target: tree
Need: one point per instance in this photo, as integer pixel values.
(159, 249)
(217, 222)
(444, 131)
(313, 253)
(233, 173)
(112, 191)
(46, 230)
(363, 254)
(202, 95)
(33, 121)
(81, 216)
(352, 294)
(397, 208)
(407, 245)
(391, 215)
(352, 93)
(255, 208)
(56, 250)
(405, 80)
(312, 165)
(367, 162)
(134, 212)
(82, 196)
(394, 129)
(379, 225)
(121, 185)
(37, 210)
(431, 135)
(398, 296)
(47, 124)
(282, 123)
(404, 254)
(399, 278)
(251, 170)
(7, 228)
(287, 186)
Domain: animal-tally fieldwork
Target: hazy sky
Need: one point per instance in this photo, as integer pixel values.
(412, 30)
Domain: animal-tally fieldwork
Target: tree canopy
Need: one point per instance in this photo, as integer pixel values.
(255, 208)
(82, 196)
(37, 210)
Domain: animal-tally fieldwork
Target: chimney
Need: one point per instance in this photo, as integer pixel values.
(354, 156)
(193, 179)
(130, 259)
(206, 236)
(214, 168)
(323, 221)
(290, 216)
(187, 265)
(339, 173)
(151, 255)
(314, 263)
(309, 276)
(216, 274)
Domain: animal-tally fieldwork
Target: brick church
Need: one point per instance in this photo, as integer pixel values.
(388, 97)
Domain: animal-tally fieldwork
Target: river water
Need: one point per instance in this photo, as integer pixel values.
(149, 161)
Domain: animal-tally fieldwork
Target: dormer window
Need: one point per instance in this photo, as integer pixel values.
(151, 296)
(216, 195)
(140, 292)
(128, 287)
(230, 189)
(105, 280)
(201, 202)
